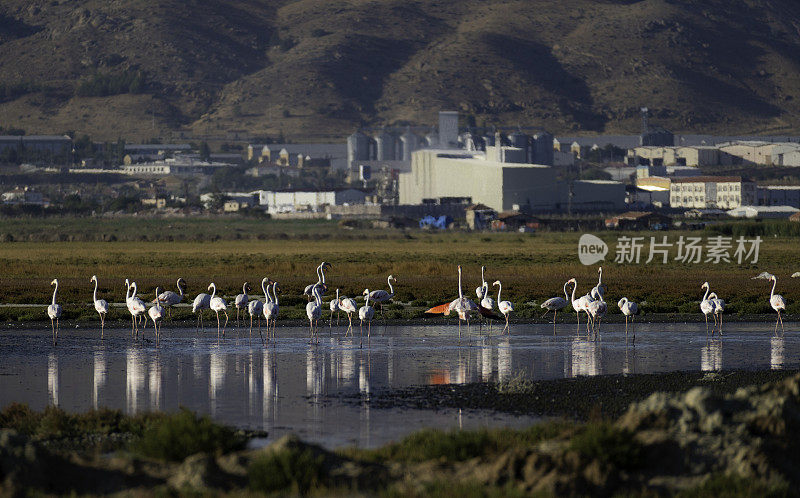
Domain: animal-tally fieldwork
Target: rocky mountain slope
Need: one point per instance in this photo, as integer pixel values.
(318, 69)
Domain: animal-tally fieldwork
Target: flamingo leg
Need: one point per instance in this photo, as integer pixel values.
(783, 331)
(555, 313)
(56, 330)
(633, 328)
(706, 324)
(626, 328)
(217, 312)
(53, 326)
(251, 330)
(361, 333)
(226, 323)
(720, 325)
(369, 329)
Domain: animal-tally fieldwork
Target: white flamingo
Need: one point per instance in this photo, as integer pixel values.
(555, 304)
(334, 306)
(580, 304)
(505, 307)
(463, 306)
(240, 301)
(169, 298)
(309, 290)
(201, 303)
(629, 309)
(599, 290)
(381, 296)
(137, 309)
(778, 303)
(482, 289)
(597, 309)
(271, 308)
(314, 310)
(707, 307)
(54, 312)
(100, 305)
(719, 308)
(366, 312)
(349, 306)
(486, 305)
(218, 304)
(256, 308)
(157, 313)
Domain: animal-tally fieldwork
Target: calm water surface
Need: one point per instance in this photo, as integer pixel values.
(316, 390)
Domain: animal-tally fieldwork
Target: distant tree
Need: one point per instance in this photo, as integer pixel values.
(595, 174)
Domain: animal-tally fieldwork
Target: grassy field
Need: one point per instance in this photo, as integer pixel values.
(532, 267)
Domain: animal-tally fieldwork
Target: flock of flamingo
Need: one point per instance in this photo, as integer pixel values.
(592, 303)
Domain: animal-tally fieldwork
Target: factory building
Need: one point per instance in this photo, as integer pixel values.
(597, 196)
(502, 186)
(289, 201)
(779, 195)
(704, 192)
(674, 156)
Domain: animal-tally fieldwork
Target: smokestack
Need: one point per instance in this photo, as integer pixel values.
(645, 126)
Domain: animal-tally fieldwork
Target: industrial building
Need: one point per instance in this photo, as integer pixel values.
(289, 201)
(703, 192)
(674, 156)
(54, 144)
(779, 195)
(333, 154)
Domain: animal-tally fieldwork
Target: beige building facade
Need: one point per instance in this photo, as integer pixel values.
(708, 192)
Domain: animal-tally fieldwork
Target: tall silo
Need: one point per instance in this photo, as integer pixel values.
(542, 152)
(358, 148)
(408, 143)
(385, 146)
(432, 138)
(520, 141)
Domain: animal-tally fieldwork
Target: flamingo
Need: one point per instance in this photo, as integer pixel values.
(218, 304)
(555, 304)
(54, 312)
(505, 307)
(241, 301)
(170, 298)
(366, 312)
(314, 310)
(255, 308)
(309, 290)
(463, 305)
(481, 290)
(599, 290)
(707, 307)
(100, 305)
(719, 308)
(778, 303)
(334, 305)
(271, 308)
(381, 296)
(201, 303)
(629, 309)
(597, 309)
(157, 313)
(136, 307)
(580, 304)
(348, 305)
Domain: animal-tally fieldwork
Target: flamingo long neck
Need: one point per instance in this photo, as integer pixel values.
(574, 287)
(322, 274)
(274, 294)
(158, 291)
(366, 303)
(244, 288)
(317, 296)
(180, 289)
(127, 291)
(266, 294)
(94, 296)
(460, 294)
(483, 279)
(319, 277)
(600, 277)
(337, 294)
(54, 293)
(774, 283)
(391, 289)
(705, 296)
(499, 290)
(213, 290)
(566, 296)
(134, 288)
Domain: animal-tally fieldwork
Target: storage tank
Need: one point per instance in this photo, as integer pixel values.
(385, 146)
(432, 138)
(520, 141)
(358, 148)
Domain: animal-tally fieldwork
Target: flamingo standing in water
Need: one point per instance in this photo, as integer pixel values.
(482, 289)
(271, 308)
(462, 305)
(505, 307)
(218, 304)
(707, 307)
(348, 305)
(487, 306)
(334, 305)
(580, 304)
(381, 296)
(314, 311)
(629, 309)
(54, 312)
(366, 312)
(309, 290)
(157, 313)
(201, 303)
(555, 304)
(778, 303)
(100, 305)
(255, 308)
(719, 308)
(597, 310)
(169, 298)
(599, 290)
(240, 301)
(136, 307)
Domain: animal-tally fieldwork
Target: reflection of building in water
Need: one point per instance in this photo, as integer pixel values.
(134, 382)
(585, 357)
(711, 357)
(52, 379)
(776, 353)
(99, 377)
(503, 359)
(155, 383)
(269, 390)
(216, 378)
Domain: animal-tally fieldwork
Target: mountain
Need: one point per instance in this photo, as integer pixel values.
(317, 70)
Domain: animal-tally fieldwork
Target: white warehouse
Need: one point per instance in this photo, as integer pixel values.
(288, 201)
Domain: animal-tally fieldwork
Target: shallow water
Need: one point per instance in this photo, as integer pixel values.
(315, 390)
